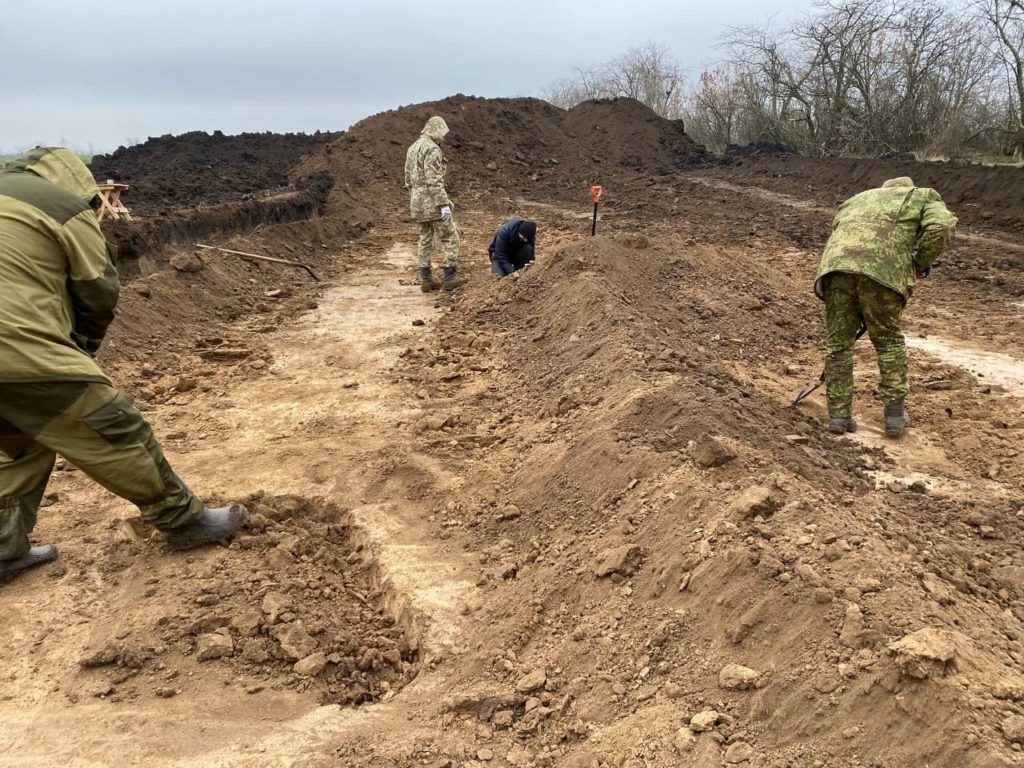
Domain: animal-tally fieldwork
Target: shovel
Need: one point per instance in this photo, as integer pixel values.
(821, 379)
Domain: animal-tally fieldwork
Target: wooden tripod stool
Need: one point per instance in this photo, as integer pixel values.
(111, 206)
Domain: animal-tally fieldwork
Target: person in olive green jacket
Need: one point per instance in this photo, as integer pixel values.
(58, 290)
(882, 240)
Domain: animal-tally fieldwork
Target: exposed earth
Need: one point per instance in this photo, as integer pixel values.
(564, 519)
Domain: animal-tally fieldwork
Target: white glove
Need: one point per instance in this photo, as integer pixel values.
(446, 213)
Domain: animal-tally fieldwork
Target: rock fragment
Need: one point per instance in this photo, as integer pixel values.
(709, 452)
(927, 653)
(739, 752)
(624, 560)
(1013, 729)
(215, 645)
(756, 500)
(274, 605)
(186, 262)
(532, 682)
(735, 677)
(704, 721)
(294, 640)
(312, 665)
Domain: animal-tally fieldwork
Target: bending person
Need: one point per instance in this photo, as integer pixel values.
(60, 288)
(513, 247)
(882, 241)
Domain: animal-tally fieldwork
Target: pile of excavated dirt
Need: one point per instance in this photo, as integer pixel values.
(511, 147)
(199, 168)
(288, 607)
(982, 196)
(677, 566)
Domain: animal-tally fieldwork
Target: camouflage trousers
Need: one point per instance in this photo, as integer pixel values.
(849, 301)
(98, 430)
(444, 231)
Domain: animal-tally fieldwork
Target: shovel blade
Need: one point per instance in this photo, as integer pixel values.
(803, 393)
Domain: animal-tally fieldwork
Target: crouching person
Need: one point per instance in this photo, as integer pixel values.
(59, 288)
(513, 247)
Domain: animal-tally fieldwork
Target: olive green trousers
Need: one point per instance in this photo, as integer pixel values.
(851, 300)
(98, 430)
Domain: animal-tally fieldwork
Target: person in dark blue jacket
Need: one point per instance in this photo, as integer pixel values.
(513, 246)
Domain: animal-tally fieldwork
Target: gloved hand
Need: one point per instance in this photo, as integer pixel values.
(446, 213)
(922, 273)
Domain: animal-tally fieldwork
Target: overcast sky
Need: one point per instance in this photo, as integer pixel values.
(96, 75)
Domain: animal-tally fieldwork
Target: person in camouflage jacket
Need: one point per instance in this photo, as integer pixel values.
(882, 241)
(430, 206)
(58, 291)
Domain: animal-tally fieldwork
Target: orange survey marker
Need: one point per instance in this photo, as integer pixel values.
(595, 194)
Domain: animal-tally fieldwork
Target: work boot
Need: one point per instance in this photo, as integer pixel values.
(841, 426)
(44, 553)
(452, 279)
(896, 418)
(427, 281)
(214, 526)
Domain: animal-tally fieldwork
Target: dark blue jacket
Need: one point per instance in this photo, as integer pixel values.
(507, 251)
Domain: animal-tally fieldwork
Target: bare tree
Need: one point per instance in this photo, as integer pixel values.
(862, 76)
(851, 77)
(712, 110)
(646, 73)
(1006, 18)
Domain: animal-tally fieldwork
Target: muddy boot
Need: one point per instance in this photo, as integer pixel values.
(842, 426)
(44, 553)
(427, 281)
(452, 279)
(896, 419)
(213, 526)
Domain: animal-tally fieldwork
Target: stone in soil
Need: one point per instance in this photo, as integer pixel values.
(294, 640)
(734, 677)
(274, 605)
(756, 500)
(624, 560)
(312, 665)
(740, 752)
(927, 653)
(684, 740)
(709, 452)
(1013, 729)
(704, 721)
(186, 262)
(215, 645)
(532, 682)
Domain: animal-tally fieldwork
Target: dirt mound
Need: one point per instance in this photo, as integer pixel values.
(671, 550)
(200, 168)
(517, 147)
(289, 609)
(982, 196)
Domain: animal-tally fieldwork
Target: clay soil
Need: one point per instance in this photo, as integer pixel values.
(568, 518)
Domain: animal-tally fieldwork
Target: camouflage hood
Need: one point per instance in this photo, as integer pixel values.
(60, 166)
(436, 129)
(902, 181)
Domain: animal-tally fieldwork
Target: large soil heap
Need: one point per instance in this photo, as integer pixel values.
(199, 168)
(519, 147)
